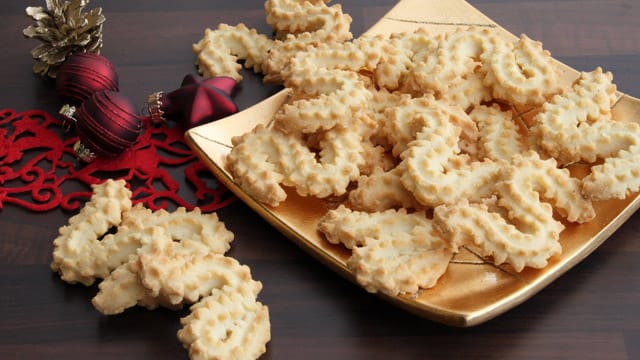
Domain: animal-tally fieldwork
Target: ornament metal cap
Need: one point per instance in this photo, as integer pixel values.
(68, 116)
(83, 152)
(154, 104)
(68, 111)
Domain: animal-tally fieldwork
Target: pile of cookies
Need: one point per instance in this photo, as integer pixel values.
(298, 25)
(433, 142)
(165, 259)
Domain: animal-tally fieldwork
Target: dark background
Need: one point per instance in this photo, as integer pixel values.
(590, 312)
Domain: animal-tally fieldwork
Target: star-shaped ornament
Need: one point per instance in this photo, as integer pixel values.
(197, 101)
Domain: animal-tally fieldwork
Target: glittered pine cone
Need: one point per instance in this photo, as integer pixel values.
(64, 29)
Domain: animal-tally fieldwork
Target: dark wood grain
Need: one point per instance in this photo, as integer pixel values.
(592, 312)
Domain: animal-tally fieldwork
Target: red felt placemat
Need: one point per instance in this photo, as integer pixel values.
(39, 171)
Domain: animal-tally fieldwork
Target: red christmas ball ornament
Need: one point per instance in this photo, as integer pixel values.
(195, 102)
(84, 74)
(107, 125)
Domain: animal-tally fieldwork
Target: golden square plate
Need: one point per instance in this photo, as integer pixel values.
(471, 291)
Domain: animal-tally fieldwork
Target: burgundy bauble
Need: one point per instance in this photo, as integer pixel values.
(84, 74)
(195, 102)
(107, 125)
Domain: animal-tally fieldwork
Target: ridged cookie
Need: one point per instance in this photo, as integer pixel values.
(226, 325)
(77, 252)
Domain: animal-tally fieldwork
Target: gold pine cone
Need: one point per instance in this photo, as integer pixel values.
(64, 29)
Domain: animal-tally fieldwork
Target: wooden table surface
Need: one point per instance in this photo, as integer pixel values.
(590, 312)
